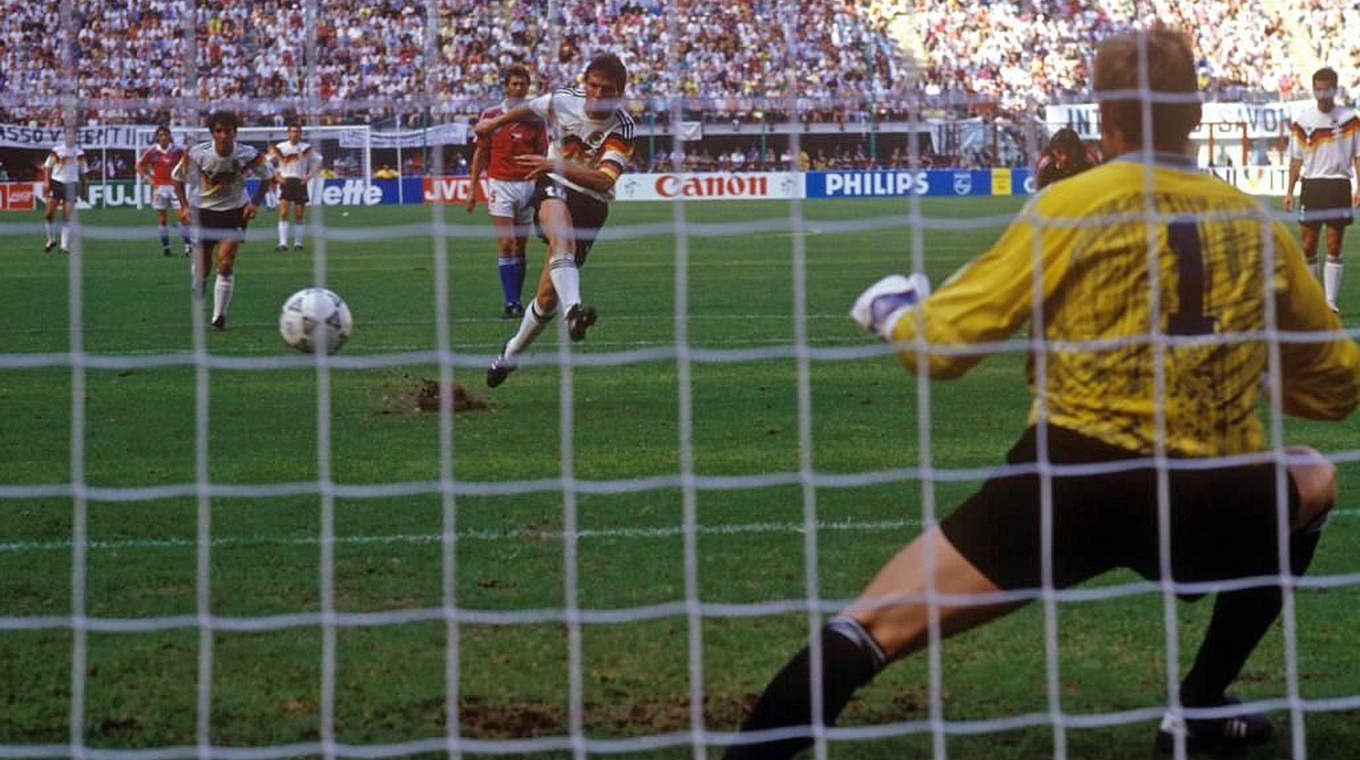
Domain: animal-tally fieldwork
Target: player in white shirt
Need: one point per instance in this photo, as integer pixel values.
(218, 169)
(63, 184)
(592, 145)
(296, 162)
(1325, 149)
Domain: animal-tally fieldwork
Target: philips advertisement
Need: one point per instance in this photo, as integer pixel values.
(932, 182)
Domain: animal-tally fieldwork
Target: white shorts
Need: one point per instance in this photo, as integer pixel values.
(163, 197)
(510, 199)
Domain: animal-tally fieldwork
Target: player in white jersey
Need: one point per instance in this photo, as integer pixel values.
(218, 169)
(155, 168)
(592, 145)
(63, 184)
(1325, 149)
(296, 162)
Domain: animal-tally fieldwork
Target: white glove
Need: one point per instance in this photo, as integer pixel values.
(880, 306)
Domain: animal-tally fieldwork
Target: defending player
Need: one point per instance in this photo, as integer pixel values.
(1064, 157)
(1097, 404)
(64, 173)
(1324, 148)
(296, 161)
(509, 189)
(592, 146)
(218, 169)
(155, 167)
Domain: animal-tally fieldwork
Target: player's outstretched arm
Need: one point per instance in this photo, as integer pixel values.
(479, 161)
(520, 112)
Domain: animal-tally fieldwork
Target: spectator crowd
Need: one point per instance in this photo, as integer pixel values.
(377, 60)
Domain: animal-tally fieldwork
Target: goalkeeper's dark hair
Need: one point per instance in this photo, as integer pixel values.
(223, 118)
(611, 67)
(1170, 72)
(515, 70)
(1327, 74)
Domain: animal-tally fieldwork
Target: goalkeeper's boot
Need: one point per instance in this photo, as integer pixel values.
(500, 368)
(1216, 735)
(579, 319)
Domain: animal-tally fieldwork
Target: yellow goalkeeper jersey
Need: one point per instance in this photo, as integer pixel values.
(1089, 237)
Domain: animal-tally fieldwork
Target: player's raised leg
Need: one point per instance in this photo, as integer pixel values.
(556, 222)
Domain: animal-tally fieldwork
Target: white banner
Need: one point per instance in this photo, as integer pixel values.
(1262, 120)
(690, 131)
(137, 136)
(439, 134)
(118, 137)
(709, 186)
(1257, 180)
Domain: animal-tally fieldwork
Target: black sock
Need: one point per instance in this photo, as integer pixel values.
(850, 659)
(1239, 621)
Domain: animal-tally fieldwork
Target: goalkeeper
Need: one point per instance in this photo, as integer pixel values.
(1096, 403)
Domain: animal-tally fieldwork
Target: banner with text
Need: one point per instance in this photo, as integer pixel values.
(1261, 120)
(709, 186)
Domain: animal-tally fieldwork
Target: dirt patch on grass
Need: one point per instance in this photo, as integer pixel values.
(408, 394)
(639, 717)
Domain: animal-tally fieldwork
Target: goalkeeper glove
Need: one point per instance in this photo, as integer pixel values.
(880, 306)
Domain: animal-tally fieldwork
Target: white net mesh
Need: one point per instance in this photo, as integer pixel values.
(408, 69)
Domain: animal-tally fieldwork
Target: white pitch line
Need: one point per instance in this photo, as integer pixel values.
(485, 535)
(434, 538)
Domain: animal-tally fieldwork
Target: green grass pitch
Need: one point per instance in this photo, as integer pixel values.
(140, 687)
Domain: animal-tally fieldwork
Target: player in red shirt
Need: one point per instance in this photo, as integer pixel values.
(154, 167)
(509, 188)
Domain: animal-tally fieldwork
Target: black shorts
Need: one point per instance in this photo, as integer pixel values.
(1325, 201)
(293, 190)
(587, 213)
(221, 225)
(60, 191)
(1223, 520)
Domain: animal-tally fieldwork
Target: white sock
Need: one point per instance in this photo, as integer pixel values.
(283, 232)
(566, 280)
(221, 295)
(529, 327)
(47, 225)
(1331, 279)
(65, 236)
(299, 229)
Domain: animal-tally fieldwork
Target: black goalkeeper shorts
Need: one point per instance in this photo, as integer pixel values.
(1223, 520)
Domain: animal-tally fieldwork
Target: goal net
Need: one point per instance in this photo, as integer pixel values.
(217, 547)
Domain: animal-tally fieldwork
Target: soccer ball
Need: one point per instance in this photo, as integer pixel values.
(315, 317)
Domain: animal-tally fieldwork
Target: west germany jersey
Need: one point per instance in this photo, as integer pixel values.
(65, 164)
(221, 180)
(1089, 238)
(516, 138)
(293, 160)
(603, 144)
(1327, 143)
(160, 162)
